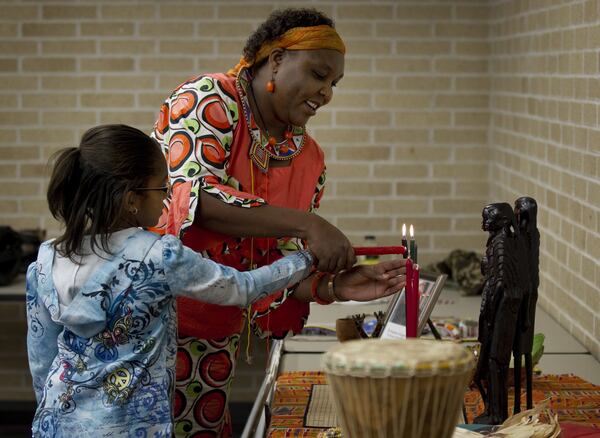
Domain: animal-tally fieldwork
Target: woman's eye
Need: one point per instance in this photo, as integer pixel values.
(319, 75)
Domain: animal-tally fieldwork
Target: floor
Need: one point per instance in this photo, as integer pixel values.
(15, 418)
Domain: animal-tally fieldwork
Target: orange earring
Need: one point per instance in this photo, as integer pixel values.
(270, 86)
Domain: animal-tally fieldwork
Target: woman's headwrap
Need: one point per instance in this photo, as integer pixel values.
(297, 38)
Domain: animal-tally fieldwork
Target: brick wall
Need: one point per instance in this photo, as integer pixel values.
(410, 116)
(406, 135)
(545, 141)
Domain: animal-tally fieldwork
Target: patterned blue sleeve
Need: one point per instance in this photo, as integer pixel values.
(42, 334)
(189, 274)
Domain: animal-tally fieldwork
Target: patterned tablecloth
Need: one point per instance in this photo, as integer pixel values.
(572, 398)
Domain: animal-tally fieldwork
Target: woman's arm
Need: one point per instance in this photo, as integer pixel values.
(219, 207)
(328, 244)
(361, 283)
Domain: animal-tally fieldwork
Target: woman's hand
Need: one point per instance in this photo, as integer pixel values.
(369, 282)
(330, 246)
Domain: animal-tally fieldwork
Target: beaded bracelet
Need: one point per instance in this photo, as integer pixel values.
(313, 289)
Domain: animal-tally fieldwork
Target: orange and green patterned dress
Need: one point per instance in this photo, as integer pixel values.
(206, 139)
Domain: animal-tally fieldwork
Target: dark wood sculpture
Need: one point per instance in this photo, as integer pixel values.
(526, 215)
(504, 267)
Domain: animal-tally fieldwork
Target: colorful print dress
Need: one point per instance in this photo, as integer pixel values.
(104, 366)
(207, 142)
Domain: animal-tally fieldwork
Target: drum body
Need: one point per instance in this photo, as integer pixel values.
(398, 388)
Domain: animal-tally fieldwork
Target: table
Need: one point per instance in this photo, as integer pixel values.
(301, 405)
(563, 353)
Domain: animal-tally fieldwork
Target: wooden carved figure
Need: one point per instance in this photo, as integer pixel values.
(503, 269)
(526, 215)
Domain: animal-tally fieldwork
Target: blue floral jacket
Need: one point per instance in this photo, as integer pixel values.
(105, 365)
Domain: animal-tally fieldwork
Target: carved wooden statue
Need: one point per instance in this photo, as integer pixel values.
(503, 266)
(526, 214)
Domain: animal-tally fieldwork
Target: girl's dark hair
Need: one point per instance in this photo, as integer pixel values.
(88, 184)
(279, 22)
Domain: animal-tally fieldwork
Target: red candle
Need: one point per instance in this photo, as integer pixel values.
(410, 301)
(378, 250)
(417, 294)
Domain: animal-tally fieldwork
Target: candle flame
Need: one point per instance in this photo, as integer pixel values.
(403, 230)
(412, 231)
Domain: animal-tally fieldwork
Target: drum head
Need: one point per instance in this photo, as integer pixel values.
(397, 358)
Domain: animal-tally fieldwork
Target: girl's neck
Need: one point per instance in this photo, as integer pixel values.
(122, 224)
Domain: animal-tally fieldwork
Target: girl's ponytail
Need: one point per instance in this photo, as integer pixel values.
(62, 195)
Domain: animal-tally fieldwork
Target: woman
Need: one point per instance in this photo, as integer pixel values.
(246, 178)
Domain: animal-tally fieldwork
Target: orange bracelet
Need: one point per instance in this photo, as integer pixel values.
(314, 286)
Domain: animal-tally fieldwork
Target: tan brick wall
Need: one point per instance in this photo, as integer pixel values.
(410, 117)
(406, 135)
(545, 142)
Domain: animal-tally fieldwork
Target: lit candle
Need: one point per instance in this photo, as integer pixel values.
(412, 244)
(404, 242)
(414, 254)
(411, 301)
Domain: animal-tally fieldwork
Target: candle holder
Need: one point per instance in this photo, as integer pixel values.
(352, 327)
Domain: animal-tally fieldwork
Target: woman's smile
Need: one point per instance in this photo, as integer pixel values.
(312, 107)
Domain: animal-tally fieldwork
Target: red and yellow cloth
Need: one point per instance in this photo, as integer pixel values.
(290, 403)
(573, 399)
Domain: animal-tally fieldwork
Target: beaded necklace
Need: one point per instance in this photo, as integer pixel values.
(264, 147)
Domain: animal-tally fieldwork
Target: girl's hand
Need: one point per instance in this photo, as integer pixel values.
(369, 282)
(330, 246)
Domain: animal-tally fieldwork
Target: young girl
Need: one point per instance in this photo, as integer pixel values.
(100, 298)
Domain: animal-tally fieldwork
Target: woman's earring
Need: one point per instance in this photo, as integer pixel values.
(271, 85)
(134, 210)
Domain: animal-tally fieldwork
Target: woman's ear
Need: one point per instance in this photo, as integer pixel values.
(275, 58)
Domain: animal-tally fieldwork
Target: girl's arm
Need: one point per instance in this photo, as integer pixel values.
(42, 335)
(189, 274)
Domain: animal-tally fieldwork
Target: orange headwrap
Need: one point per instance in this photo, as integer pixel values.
(298, 38)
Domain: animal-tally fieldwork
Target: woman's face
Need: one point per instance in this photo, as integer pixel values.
(304, 82)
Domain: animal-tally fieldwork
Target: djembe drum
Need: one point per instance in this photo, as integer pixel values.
(398, 388)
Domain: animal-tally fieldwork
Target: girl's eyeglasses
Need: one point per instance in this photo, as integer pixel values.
(165, 189)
